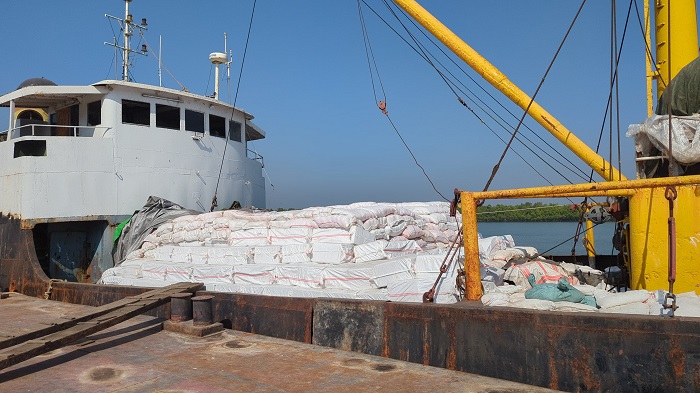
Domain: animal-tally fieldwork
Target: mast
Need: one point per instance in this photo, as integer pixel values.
(127, 39)
(128, 26)
(218, 58)
(677, 22)
(499, 80)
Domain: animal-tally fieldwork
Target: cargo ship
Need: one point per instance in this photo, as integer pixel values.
(58, 140)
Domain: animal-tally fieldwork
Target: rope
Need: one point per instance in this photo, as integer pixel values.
(497, 166)
(452, 86)
(382, 104)
(214, 203)
(495, 100)
(148, 46)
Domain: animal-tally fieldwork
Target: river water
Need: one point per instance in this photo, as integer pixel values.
(545, 235)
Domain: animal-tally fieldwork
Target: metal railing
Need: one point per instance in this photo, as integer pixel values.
(44, 130)
(253, 155)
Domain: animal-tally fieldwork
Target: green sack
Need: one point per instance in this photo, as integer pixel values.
(562, 291)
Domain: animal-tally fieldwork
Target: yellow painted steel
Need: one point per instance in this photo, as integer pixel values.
(590, 242)
(590, 188)
(649, 239)
(471, 248)
(651, 71)
(496, 78)
(676, 22)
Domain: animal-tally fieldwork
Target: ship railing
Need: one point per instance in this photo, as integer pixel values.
(53, 130)
(253, 155)
(470, 200)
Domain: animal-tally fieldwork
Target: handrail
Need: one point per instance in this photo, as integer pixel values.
(469, 221)
(51, 130)
(256, 157)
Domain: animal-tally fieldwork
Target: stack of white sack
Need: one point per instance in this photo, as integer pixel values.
(354, 251)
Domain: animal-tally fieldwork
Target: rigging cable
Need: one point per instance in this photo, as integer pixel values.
(114, 56)
(155, 55)
(450, 86)
(608, 105)
(368, 52)
(214, 203)
(382, 104)
(496, 167)
(432, 41)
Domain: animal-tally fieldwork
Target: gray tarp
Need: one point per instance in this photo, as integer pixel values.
(155, 212)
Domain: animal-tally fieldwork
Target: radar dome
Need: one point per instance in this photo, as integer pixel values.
(36, 82)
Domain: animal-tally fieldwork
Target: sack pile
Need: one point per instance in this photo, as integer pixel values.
(363, 250)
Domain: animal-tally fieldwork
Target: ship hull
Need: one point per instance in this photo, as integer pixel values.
(566, 351)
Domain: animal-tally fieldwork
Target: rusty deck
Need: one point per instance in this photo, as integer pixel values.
(565, 351)
(137, 356)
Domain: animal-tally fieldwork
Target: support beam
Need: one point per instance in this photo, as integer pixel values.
(498, 80)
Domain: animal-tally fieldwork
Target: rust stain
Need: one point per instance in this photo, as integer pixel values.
(580, 364)
(676, 357)
(426, 344)
(553, 376)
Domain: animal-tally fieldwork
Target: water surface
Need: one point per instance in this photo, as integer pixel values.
(546, 235)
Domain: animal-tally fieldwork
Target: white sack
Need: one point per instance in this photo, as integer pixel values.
(412, 290)
(299, 275)
(212, 274)
(371, 251)
(623, 298)
(354, 277)
(287, 236)
(253, 274)
(296, 253)
(331, 253)
(249, 237)
(385, 272)
(401, 248)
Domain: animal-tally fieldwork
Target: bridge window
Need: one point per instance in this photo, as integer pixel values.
(94, 113)
(194, 121)
(234, 130)
(167, 117)
(136, 112)
(217, 126)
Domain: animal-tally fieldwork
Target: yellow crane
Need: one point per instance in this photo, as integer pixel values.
(664, 248)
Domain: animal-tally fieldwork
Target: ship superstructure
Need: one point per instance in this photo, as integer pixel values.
(77, 160)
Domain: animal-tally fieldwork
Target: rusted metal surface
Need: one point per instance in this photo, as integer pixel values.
(349, 325)
(201, 310)
(92, 313)
(35, 344)
(281, 317)
(137, 356)
(573, 352)
(181, 307)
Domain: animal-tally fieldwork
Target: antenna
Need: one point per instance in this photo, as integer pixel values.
(218, 58)
(160, 60)
(128, 27)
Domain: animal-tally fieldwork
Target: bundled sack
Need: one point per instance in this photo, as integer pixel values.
(562, 291)
(488, 246)
(543, 271)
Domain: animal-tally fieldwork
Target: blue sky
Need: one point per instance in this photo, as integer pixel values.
(307, 83)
